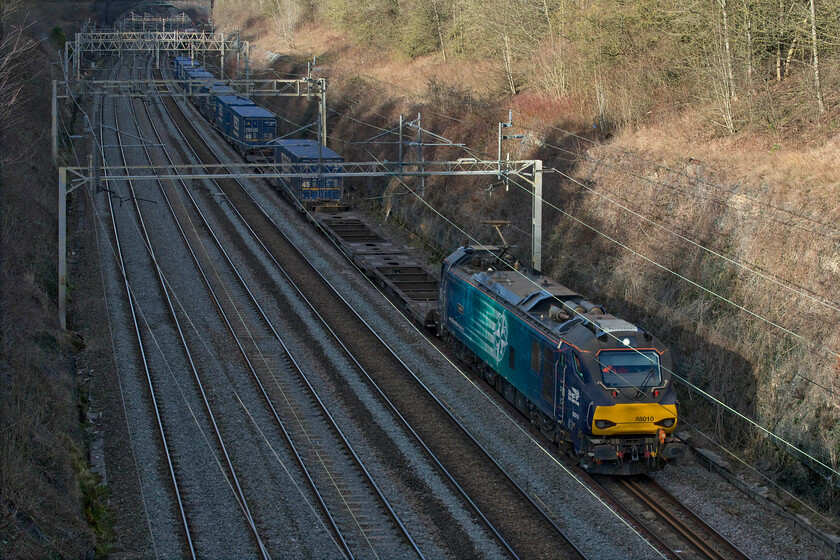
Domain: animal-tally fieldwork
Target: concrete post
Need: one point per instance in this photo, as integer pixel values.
(77, 58)
(536, 217)
(54, 128)
(401, 144)
(248, 68)
(322, 110)
(222, 64)
(62, 248)
(420, 155)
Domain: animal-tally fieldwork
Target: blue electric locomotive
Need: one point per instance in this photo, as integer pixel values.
(593, 383)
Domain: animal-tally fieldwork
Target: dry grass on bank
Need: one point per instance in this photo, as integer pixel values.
(765, 198)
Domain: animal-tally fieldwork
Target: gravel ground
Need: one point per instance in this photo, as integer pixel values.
(279, 299)
(754, 528)
(138, 486)
(760, 533)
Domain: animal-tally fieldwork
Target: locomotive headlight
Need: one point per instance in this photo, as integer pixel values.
(604, 424)
(668, 422)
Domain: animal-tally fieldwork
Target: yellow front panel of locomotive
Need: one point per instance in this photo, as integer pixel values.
(634, 418)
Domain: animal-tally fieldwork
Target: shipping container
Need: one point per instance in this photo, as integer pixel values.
(314, 158)
(251, 126)
(223, 114)
(183, 66)
(194, 79)
(207, 101)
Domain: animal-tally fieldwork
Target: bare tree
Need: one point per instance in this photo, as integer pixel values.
(727, 49)
(816, 58)
(284, 14)
(438, 16)
(15, 53)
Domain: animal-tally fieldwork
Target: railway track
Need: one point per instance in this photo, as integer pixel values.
(517, 522)
(651, 509)
(161, 353)
(360, 516)
(676, 530)
(173, 478)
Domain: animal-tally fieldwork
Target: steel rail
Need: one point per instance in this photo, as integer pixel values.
(239, 493)
(345, 548)
(691, 536)
(379, 391)
(254, 300)
(149, 381)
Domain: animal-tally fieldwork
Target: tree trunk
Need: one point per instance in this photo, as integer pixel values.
(439, 24)
(779, 42)
(601, 101)
(508, 61)
(815, 54)
(748, 27)
(789, 56)
(727, 51)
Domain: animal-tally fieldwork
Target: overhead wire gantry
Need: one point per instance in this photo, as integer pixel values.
(116, 42)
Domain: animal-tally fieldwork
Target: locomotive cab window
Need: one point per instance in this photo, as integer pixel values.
(630, 369)
(511, 356)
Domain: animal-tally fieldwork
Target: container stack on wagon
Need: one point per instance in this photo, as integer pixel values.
(313, 193)
(182, 64)
(245, 125)
(210, 91)
(223, 105)
(252, 128)
(194, 78)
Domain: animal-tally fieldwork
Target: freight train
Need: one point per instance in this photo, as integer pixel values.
(596, 385)
(593, 383)
(252, 129)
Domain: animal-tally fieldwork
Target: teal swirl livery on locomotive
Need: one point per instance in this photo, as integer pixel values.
(597, 385)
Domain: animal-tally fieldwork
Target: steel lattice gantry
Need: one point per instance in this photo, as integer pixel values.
(119, 42)
(150, 41)
(300, 87)
(530, 171)
(149, 22)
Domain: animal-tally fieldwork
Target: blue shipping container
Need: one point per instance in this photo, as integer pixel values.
(314, 158)
(194, 79)
(207, 101)
(251, 126)
(223, 114)
(183, 66)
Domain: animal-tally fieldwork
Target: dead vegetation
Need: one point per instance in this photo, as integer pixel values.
(42, 452)
(725, 244)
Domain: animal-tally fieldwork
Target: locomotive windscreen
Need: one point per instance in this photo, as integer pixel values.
(627, 368)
